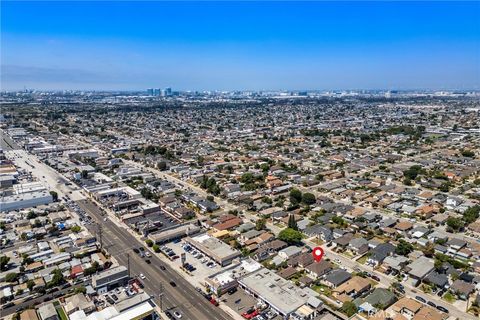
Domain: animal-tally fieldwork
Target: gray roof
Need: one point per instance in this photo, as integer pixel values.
(337, 277)
(421, 267)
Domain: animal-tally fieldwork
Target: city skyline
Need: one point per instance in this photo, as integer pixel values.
(240, 46)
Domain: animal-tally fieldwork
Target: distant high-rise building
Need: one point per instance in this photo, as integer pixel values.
(157, 92)
(150, 91)
(168, 92)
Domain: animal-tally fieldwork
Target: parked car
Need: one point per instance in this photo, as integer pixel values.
(421, 299)
(249, 314)
(442, 309)
(177, 315)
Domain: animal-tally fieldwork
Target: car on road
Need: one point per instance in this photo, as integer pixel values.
(214, 302)
(142, 276)
(162, 267)
(136, 250)
(148, 261)
(173, 284)
(442, 309)
(376, 278)
(177, 315)
(420, 299)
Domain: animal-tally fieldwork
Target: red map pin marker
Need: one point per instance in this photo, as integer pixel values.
(318, 253)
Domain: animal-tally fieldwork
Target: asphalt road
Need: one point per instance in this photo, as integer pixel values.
(182, 298)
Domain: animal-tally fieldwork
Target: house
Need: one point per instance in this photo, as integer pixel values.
(320, 232)
(455, 244)
(439, 280)
(358, 246)
(428, 313)
(302, 260)
(287, 273)
(343, 241)
(462, 289)
(319, 269)
(336, 277)
(394, 262)
(420, 268)
(29, 314)
(381, 298)
(407, 307)
(379, 253)
(78, 302)
(351, 289)
(48, 312)
(269, 249)
(289, 252)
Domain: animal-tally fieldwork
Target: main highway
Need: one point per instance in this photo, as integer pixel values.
(182, 298)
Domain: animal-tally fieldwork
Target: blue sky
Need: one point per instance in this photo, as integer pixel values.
(240, 45)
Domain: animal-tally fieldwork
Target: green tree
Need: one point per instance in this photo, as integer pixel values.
(349, 308)
(32, 215)
(403, 248)
(290, 236)
(76, 229)
(57, 278)
(156, 248)
(471, 214)
(80, 289)
(308, 198)
(162, 165)
(30, 285)
(149, 242)
(4, 260)
(454, 224)
(260, 224)
(292, 223)
(468, 153)
(11, 277)
(54, 196)
(295, 196)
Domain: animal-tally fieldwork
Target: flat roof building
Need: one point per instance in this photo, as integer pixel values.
(216, 249)
(110, 278)
(176, 232)
(282, 295)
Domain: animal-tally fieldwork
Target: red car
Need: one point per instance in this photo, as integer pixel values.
(214, 302)
(250, 314)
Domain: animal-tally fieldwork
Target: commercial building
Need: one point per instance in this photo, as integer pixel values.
(216, 249)
(110, 278)
(173, 233)
(280, 294)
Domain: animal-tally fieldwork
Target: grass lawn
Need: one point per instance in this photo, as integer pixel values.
(363, 259)
(449, 297)
(317, 241)
(320, 288)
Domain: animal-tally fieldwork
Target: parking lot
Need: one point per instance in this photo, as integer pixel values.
(241, 302)
(194, 258)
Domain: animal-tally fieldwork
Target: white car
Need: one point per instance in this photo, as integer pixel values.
(142, 276)
(177, 315)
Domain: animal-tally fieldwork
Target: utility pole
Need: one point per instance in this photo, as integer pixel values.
(128, 264)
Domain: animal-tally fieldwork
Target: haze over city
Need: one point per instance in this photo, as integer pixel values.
(240, 45)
